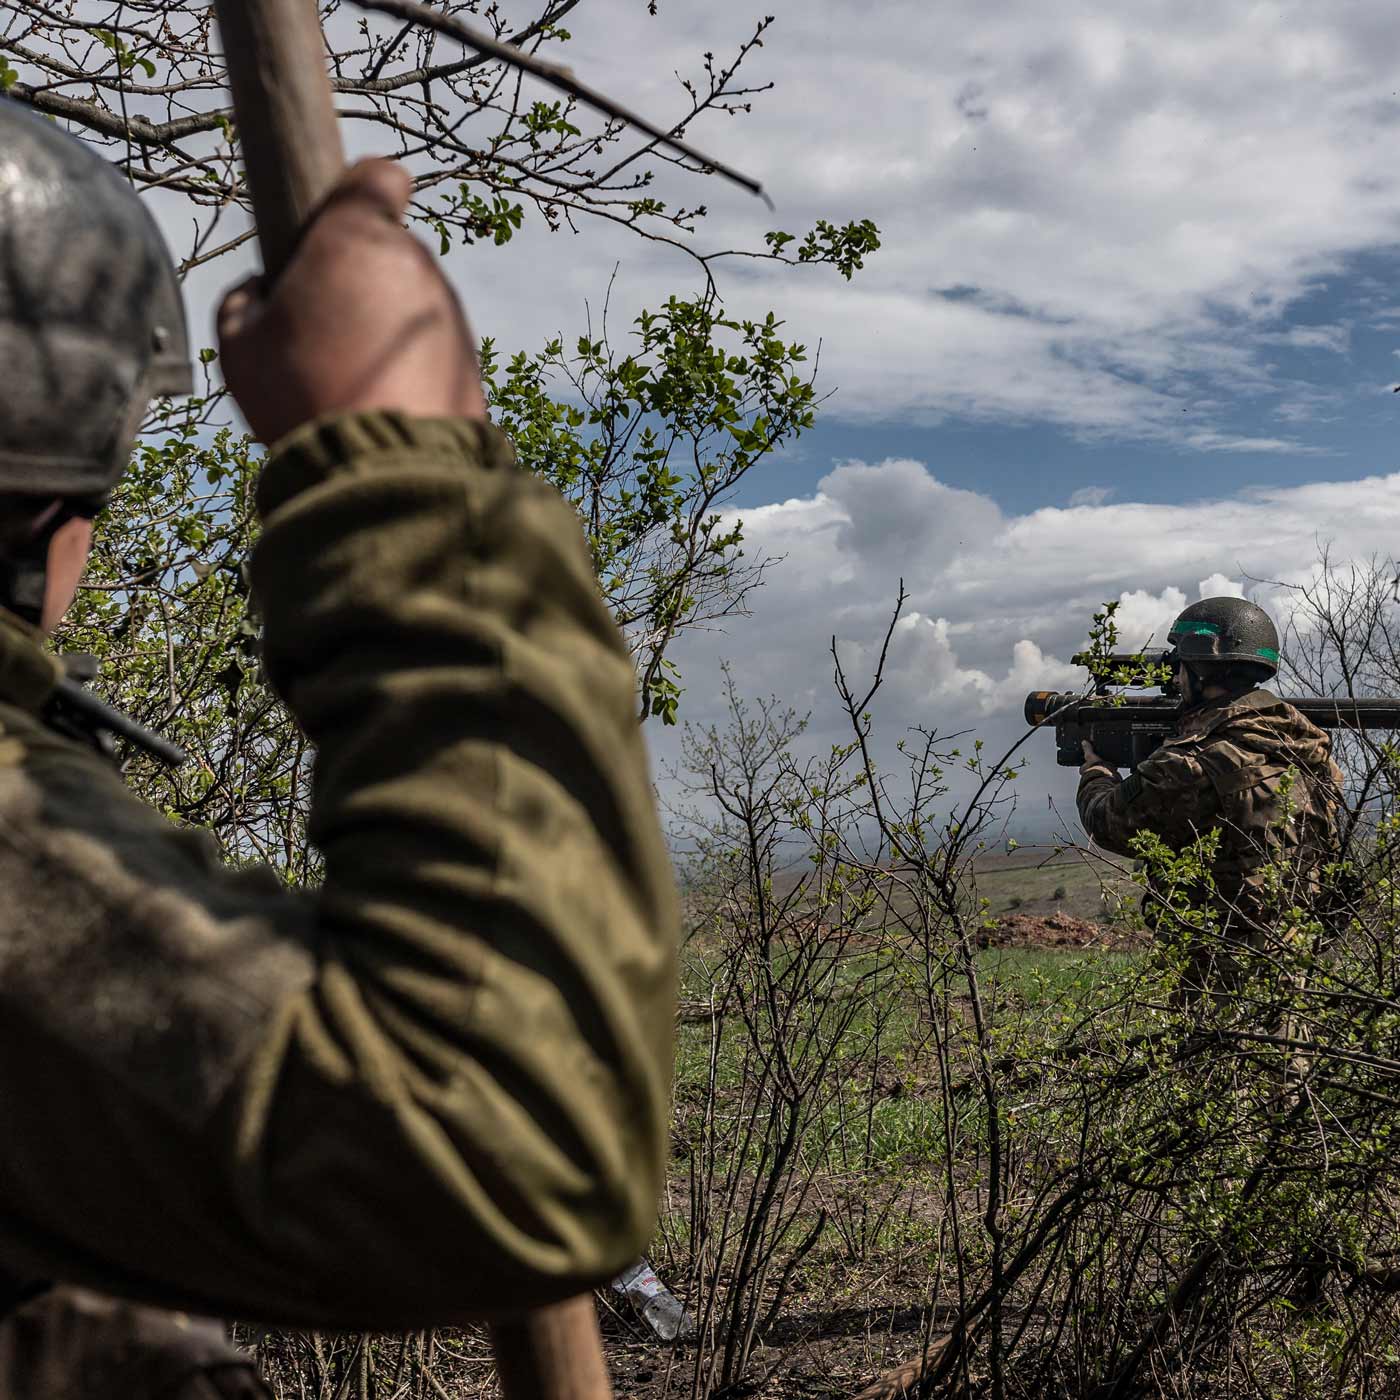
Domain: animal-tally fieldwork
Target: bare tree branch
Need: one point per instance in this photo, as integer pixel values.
(557, 76)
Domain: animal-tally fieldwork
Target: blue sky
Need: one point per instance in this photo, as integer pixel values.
(1333, 402)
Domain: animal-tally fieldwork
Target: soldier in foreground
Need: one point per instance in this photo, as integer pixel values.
(436, 1086)
(1245, 763)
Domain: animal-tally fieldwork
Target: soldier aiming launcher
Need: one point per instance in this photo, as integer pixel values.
(1124, 729)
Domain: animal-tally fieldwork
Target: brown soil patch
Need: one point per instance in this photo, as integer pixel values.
(1056, 931)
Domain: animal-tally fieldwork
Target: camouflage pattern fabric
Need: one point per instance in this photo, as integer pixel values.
(438, 1085)
(69, 1344)
(1254, 769)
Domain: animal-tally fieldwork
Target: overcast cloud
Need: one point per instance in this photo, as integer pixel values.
(1094, 214)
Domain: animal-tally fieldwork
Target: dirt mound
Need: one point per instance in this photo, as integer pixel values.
(1052, 931)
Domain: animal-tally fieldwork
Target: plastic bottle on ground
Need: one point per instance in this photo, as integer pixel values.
(662, 1311)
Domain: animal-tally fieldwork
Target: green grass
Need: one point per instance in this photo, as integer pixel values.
(1032, 879)
(897, 1096)
(1052, 974)
(878, 1146)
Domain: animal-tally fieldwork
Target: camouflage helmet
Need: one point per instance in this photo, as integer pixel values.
(1226, 631)
(91, 322)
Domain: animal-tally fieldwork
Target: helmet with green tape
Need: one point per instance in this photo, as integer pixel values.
(1227, 632)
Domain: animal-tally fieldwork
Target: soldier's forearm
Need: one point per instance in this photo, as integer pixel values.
(483, 801)
(1100, 807)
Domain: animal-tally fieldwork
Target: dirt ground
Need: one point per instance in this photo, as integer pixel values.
(1058, 930)
(820, 1352)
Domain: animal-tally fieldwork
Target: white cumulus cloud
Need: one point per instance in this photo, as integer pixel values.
(998, 604)
(1095, 214)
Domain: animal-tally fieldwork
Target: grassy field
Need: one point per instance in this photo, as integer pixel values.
(878, 1104)
(1037, 981)
(1038, 881)
(1040, 979)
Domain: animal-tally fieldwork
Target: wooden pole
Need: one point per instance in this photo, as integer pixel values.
(292, 149)
(552, 1352)
(285, 112)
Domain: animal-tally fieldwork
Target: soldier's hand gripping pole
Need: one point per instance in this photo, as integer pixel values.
(293, 153)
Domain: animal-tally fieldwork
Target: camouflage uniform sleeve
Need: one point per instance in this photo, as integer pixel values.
(435, 1087)
(1168, 794)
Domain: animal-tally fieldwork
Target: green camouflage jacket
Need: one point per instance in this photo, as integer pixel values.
(434, 1087)
(1252, 767)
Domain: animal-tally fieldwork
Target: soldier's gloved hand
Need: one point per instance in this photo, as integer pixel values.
(1094, 764)
(361, 319)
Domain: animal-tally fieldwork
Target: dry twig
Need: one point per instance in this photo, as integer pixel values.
(557, 75)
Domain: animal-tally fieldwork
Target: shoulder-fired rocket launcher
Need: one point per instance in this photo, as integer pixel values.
(1125, 728)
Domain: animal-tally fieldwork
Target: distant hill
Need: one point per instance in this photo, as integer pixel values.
(1043, 880)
